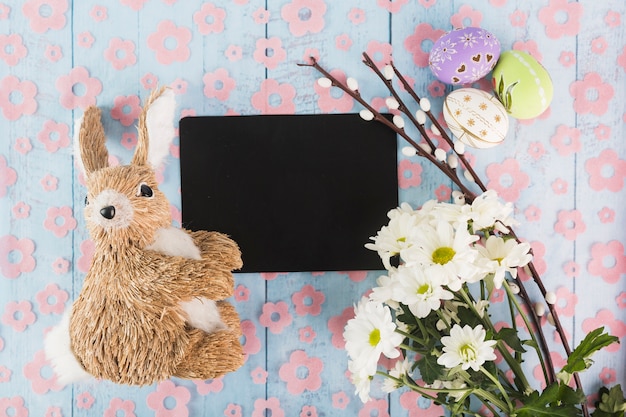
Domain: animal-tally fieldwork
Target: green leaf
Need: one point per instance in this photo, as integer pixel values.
(430, 370)
(612, 403)
(580, 360)
(556, 400)
(510, 337)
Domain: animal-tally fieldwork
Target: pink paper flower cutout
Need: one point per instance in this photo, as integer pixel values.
(518, 18)
(275, 316)
(380, 52)
(12, 49)
(23, 145)
(252, 343)
(49, 182)
(233, 410)
(33, 372)
(159, 42)
(379, 408)
(52, 299)
(5, 374)
(99, 13)
(274, 98)
(436, 88)
(54, 18)
(210, 19)
(15, 404)
(559, 186)
(304, 16)
(571, 269)
(569, 27)
(301, 373)
(567, 58)
(126, 109)
(507, 179)
(164, 390)
(307, 334)
(566, 302)
(261, 16)
(606, 215)
(607, 171)
(532, 213)
(54, 135)
(149, 81)
(272, 405)
(8, 176)
(16, 256)
(602, 132)
(78, 80)
(120, 53)
(340, 400)
(5, 11)
(530, 47)
(356, 16)
(466, 16)
(259, 375)
(336, 325)
(566, 140)
(269, 52)
(308, 301)
(620, 300)
(536, 150)
(605, 318)
(119, 405)
(599, 45)
(60, 220)
(419, 406)
(61, 266)
(328, 102)
(343, 42)
(209, 386)
(621, 60)
(392, 6)
(414, 43)
(136, 5)
(218, 84)
(17, 98)
(608, 376)
(84, 400)
(18, 315)
(591, 94)
(409, 174)
(233, 53)
(85, 39)
(21, 210)
(613, 19)
(608, 261)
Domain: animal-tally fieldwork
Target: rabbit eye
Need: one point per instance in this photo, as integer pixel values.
(86, 200)
(145, 191)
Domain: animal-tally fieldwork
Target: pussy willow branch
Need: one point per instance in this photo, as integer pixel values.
(452, 175)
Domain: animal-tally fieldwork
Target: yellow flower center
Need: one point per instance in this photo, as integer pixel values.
(374, 337)
(443, 255)
(423, 289)
(468, 353)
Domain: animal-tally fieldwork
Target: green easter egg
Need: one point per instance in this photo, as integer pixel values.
(522, 85)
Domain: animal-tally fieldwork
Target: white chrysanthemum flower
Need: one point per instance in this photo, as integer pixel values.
(448, 251)
(503, 256)
(394, 237)
(369, 334)
(400, 369)
(467, 347)
(362, 383)
(487, 211)
(421, 291)
(456, 386)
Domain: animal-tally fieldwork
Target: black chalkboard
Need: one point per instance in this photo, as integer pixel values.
(296, 192)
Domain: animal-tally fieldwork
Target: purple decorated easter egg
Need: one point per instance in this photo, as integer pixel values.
(464, 56)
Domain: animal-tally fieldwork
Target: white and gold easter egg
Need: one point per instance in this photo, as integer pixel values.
(475, 117)
(523, 86)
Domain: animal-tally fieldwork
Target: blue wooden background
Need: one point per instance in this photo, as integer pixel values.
(564, 171)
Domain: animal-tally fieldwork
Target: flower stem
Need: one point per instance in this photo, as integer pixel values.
(500, 387)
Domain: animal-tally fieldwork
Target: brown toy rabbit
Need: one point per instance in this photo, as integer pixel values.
(152, 304)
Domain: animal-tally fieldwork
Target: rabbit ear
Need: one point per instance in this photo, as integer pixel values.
(89, 142)
(156, 128)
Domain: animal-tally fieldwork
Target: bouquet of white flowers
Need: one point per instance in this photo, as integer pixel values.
(431, 311)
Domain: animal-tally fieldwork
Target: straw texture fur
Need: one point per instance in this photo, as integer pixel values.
(128, 324)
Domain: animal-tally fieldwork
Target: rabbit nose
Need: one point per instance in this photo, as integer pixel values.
(108, 212)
